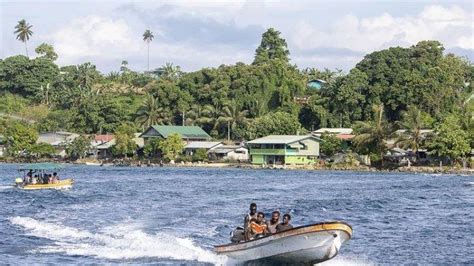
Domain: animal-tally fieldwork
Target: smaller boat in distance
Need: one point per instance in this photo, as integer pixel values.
(304, 245)
(41, 176)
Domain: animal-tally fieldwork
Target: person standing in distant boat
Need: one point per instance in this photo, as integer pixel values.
(285, 225)
(273, 223)
(251, 215)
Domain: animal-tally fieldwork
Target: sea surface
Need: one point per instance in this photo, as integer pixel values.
(176, 215)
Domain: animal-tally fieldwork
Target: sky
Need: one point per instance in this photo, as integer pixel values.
(197, 34)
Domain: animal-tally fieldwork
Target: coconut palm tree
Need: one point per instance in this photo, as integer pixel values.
(232, 115)
(412, 124)
(170, 72)
(150, 113)
(148, 37)
(194, 116)
(373, 135)
(23, 33)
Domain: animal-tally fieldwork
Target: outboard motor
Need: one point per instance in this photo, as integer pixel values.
(237, 235)
(19, 181)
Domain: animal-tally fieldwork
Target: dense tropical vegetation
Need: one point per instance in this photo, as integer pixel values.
(396, 88)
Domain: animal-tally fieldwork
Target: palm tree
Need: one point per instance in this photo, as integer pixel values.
(170, 72)
(412, 124)
(232, 115)
(150, 113)
(194, 116)
(148, 37)
(23, 33)
(373, 134)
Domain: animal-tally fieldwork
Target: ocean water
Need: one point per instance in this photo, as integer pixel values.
(176, 215)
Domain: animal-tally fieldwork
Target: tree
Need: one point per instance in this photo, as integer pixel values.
(278, 123)
(200, 155)
(124, 140)
(412, 124)
(170, 72)
(23, 33)
(20, 137)
(148, 37)
(41, 150)
(78, 148)
(47, 51)
(232, 116)
(271, 47)
(171, 147)
(450, 140)
(150, 113)
(152, 148)
(372, 135)
(23, 76)
(330, 144)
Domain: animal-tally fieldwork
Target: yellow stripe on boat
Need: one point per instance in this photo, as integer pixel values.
(66, 183)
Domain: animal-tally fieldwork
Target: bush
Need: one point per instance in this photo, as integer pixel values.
(200, 155)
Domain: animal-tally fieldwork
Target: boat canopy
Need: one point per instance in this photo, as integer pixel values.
(40, 166)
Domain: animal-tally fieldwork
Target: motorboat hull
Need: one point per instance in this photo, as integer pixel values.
(302, 245)
(62, 184)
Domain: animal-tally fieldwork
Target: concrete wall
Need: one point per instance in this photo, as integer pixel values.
(312, 148)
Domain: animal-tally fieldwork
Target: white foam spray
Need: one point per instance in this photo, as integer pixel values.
(118, 242)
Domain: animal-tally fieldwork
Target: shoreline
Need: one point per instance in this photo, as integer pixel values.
(362, 168)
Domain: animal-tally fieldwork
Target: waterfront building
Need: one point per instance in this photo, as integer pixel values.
(193, 146)
(59, 140)
(187, 133)
(284, 149)
(229, 152)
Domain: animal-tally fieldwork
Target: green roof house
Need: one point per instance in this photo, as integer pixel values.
(187, 133)
(284, 149)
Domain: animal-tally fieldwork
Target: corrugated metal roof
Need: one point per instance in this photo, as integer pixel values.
(281, 139)
(187, 132)
(202, 144)
(333, 130)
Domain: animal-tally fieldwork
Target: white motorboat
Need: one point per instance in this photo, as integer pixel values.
(307, 244)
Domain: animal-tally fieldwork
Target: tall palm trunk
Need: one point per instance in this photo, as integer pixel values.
(148, 56)
(228, 130)
(26, 48)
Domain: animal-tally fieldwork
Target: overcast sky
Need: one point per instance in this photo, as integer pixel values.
(197, 34)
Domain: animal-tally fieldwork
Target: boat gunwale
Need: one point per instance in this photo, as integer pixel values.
(64, 183)
(291, 232)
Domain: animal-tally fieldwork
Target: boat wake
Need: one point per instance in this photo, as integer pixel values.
(347, 261)
(118, 242)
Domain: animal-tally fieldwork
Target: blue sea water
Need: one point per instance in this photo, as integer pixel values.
(176, 215)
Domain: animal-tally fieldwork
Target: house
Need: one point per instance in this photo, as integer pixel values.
(193, 146)
(102, 145)
(187, 133)
(229, 152)
(344, 134)
(59, 140)
(341, 133)
(315, 84)
(284, 149)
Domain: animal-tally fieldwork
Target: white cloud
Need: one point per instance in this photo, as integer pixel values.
(451, 25)
(93, 36)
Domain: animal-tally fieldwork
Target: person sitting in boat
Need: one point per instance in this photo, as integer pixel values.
(285, 225)
(55, 178)
(273, 223)
(251, 215)
(258, 227)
